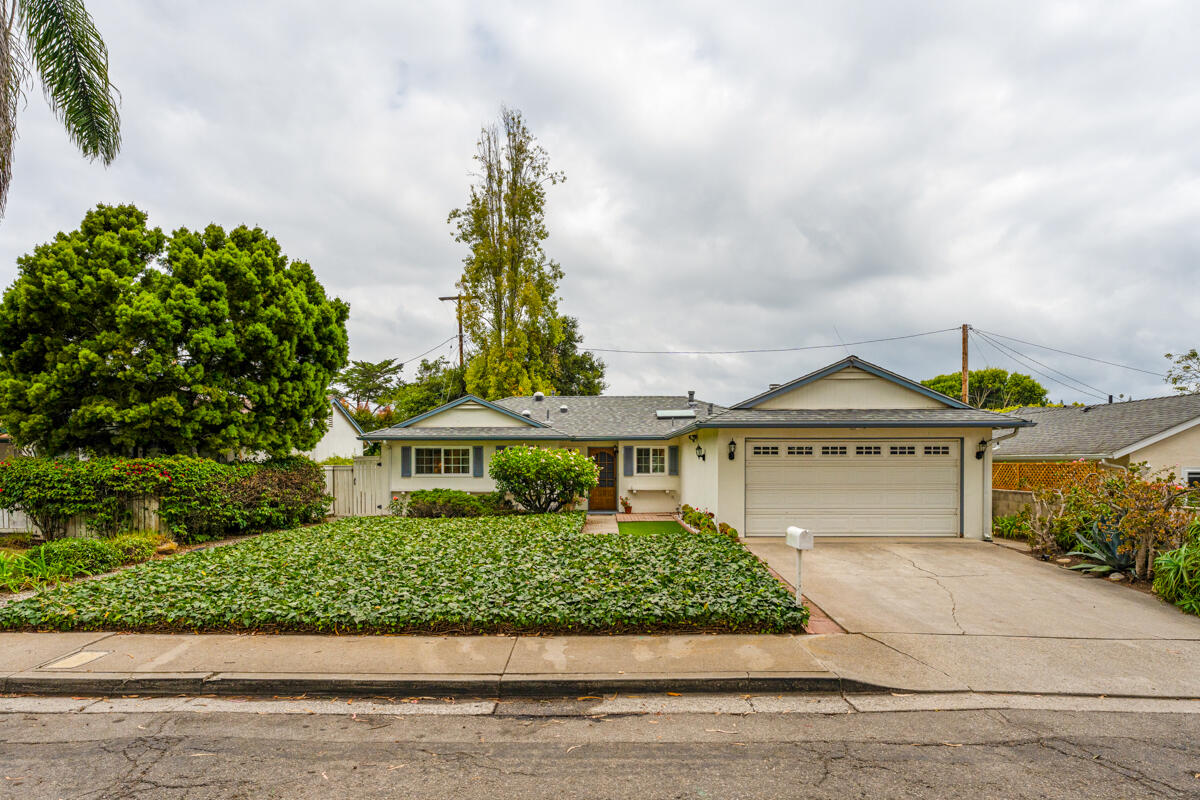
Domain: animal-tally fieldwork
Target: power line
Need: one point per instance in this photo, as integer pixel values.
(1052, 369)
(764, 349)
(1024, 361)
(430, 350)
(1076, 355)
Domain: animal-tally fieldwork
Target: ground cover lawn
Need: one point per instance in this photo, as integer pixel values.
(657, 526)
(389, 574)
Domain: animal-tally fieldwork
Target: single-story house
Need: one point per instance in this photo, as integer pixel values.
(1164, 432)
(341, 440)
(851, 449)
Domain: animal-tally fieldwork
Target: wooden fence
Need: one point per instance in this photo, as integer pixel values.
(1030, 475)
(143, 513)
(358, 489)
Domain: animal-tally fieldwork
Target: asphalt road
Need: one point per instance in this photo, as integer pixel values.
(522, 751)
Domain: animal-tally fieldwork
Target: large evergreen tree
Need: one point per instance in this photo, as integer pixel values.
(510, 309)
(116, 339)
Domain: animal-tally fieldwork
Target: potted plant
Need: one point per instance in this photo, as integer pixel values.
(625, 505)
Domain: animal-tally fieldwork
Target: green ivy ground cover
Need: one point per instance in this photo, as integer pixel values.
(390, 574)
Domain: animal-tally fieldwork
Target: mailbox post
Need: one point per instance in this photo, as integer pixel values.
(800, 540)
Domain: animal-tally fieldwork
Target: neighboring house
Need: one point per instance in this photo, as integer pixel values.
(342, 438)
(1164, 432)
(851, 449)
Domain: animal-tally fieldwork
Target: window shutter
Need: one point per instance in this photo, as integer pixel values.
(500, 447)
(673, 460)
(477, 461)
(405, 462)
(627, 457)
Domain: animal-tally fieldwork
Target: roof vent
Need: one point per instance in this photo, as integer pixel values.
(691, 397)
(562, 409)
(527, 413)
(773, 386)
(538, 397)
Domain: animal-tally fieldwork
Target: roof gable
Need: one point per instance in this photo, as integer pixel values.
(852, 384)
(337, 404)
(487, 415)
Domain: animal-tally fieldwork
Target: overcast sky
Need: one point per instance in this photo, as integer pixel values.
(738, 175)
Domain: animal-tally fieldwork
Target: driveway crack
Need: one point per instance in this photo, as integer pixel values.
(933, 576)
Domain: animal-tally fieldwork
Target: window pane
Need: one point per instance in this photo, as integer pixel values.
(658, 460)
(643, 460)
(429, 461)
(456, 460)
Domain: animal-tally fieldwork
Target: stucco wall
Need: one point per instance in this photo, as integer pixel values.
(340, 440)
(851, 388)
(1178, 453)
(698, 479)
(977, 473)
(649, 493)
(470, 415)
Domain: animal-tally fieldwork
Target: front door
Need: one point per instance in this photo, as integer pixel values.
(604, 495)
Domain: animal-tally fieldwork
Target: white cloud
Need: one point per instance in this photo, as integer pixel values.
(754, 175)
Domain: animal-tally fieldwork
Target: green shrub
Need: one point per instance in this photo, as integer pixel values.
(543, 480)
(1177, 577)
(428, 503)
(336, 461)
(1012, 526)
(197, 498)
(69, 557)
(133, 548)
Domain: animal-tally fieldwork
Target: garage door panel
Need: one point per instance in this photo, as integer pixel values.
(902, 487)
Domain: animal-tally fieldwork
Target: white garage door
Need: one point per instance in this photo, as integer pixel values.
(853, 487)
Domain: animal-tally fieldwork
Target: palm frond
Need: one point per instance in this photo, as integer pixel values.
(13, 75)
(72, 60)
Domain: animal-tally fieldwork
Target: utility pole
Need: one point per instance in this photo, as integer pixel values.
(458, 298)
(965, 378)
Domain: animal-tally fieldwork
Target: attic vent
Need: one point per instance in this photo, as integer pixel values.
(562, 409)
(538, 397)
(527, 413)
(773, 386)
(675, 413)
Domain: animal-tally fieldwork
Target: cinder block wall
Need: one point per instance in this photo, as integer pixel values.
(1009, 501)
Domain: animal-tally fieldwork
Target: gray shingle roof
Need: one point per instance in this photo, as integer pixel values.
(883, 417)
(514, 432)
(1097, 431)
(610, 416)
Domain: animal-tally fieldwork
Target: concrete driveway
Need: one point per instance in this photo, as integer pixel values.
(964, 586)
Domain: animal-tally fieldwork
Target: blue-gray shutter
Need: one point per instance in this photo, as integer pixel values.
(477, 461)
(627, 457)
(406, 462)
(500, 447)
(673, 460)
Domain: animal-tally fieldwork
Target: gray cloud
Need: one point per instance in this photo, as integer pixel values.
(749, 176)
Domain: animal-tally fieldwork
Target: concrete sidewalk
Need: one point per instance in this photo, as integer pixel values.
(517, 666)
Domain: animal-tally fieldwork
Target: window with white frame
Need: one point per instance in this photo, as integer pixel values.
(442, 460)
(650, 461)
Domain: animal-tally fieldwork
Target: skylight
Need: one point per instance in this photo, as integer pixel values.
(675, 413)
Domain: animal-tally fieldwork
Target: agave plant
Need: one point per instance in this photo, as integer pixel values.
(1101, 545)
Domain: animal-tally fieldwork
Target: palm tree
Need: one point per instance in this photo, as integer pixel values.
(58, 40)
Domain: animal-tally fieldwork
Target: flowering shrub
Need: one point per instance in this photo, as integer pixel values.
(543, 480)
(197, 498)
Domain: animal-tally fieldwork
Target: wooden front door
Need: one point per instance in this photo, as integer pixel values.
(604, 496)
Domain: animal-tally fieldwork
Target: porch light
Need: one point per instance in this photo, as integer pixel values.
(732, 449)
(981, 448)
(700, 452)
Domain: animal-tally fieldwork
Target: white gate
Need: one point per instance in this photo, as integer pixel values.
(370, 487)
(339, 484)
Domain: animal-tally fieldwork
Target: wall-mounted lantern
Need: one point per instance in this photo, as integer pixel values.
(732, 449)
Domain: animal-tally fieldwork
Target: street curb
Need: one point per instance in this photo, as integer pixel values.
(461, 686)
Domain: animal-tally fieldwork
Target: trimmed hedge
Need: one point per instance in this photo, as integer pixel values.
(198, 499)
(431, 503)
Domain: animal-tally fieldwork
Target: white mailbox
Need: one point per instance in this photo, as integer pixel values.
(800, 540)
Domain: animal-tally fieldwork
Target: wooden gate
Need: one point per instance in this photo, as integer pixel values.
(339, 484)
(370, 487)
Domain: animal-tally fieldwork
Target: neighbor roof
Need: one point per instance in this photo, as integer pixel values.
(1110, 430)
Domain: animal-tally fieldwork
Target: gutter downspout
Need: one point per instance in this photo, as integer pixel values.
(986, 511)
(1105, 462)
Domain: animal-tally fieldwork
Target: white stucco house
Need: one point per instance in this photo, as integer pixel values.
(849, 450)
(341, 439)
